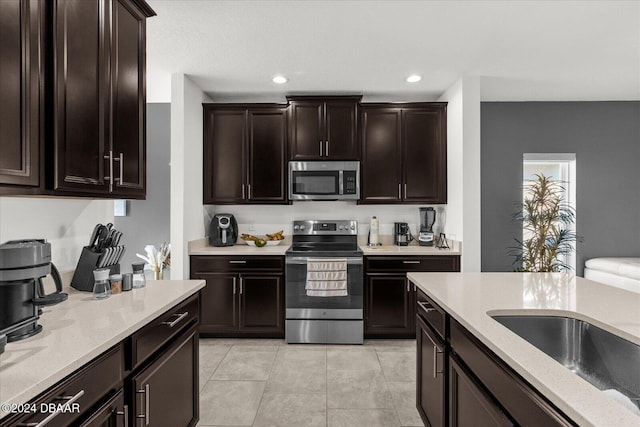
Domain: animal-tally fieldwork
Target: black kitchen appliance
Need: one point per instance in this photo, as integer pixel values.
(401, 234)
(427, 219)
(23, 264)
(223, 230)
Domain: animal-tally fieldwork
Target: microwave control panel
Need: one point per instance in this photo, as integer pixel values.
(349, 178)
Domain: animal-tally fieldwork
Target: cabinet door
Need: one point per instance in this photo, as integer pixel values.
(267, 155)
(218, 303)
(127, 76)
(111, 414)
(381, 155)
(424, 156)
(81, 95)
(21, 33)
(306, 141)
(262, 304)
(341, 142)
(431, 387)
(224, 153)
(166, 392)
(389, 310)
(469, 404)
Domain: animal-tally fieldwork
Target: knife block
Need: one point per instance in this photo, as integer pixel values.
(83, 276)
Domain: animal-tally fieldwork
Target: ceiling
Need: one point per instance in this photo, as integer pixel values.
(522, 50)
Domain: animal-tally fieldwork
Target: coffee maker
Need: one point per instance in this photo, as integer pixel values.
(223, 230)
(401, 234)
(427, 219)
(23, 264)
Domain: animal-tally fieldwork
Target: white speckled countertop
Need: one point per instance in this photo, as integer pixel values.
(468, 297)
(202, 247)
(79, 329)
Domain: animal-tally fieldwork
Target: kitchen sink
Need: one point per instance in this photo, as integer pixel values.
(600, 357)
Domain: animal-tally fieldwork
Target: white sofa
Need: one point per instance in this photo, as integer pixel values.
(619, 272)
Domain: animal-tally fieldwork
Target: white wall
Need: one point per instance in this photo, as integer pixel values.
(186, 170)
(463, 164)
(66, 223)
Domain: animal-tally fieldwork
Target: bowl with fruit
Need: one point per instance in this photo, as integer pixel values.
(269, 240)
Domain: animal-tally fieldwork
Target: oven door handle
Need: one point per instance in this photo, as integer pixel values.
(303, 260)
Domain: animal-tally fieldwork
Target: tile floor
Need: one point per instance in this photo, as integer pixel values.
(249, 382)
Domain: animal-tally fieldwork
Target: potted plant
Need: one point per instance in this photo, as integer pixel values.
(547, 238)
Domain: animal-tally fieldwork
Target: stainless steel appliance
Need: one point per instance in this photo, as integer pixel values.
(321, 180)
(334, 316)
(223, 230)
(401, 234)
(23, 264)
(427, 219)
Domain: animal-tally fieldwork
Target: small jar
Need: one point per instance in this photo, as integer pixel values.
(138, 275)
(101, 286)
(127, 281)
(116, 283)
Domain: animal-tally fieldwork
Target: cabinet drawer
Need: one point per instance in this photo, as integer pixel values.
(519, 399)
(225, 264)
(81, 391)
(431, 313)
(150, 338)
(413, 263)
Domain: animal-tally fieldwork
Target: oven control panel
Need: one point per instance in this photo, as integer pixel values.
(331, 227)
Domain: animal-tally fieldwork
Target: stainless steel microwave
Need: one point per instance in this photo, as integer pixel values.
(322, 180)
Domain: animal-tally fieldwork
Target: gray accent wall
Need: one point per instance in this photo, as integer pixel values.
(147, 221)
(606, 139)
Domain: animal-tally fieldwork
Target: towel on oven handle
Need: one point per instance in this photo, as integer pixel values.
(326, 277)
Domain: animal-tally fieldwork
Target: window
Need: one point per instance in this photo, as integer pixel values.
(558, 167)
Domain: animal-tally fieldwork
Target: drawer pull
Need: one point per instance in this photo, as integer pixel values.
(411, 262)
(125, 414)
(425, 307)
(237, 262)
(146, 391)
(51, 416)
(177, 320)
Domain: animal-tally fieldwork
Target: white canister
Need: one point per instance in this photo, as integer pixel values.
(374, 226)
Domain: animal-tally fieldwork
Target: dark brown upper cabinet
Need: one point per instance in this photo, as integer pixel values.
(21, 76)
(404, 153)
(244, 153)
(323, 128)
(91, 85)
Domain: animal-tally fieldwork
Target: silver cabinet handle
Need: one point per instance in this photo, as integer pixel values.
(435, 361)
(120, 159)
(146, 391)
(125, 414)
(249, 191)
(320, 148)
(405, 190)
(326, 148)
(241, 286)
(411, 262)
(51, 416)
(399, 191)
(425, 308)
(234, 285)
(242, 191)
(110, 176)
(237, 262)
(177, 320)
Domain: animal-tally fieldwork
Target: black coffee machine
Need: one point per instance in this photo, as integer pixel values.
(401, 234)
(23, 264)
(223, 230)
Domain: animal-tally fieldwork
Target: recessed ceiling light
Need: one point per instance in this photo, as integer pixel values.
(413, 78)
(280, 79)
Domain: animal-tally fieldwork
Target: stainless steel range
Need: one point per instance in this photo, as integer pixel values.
(324, 283)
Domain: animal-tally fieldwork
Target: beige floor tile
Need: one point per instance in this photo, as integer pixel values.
(245, 365)
(404, 393)
(398, 365)
(299, 376)
(210, 357)
(362, 418)
(357, 390)
(409, 417)
(352, 358)
(292, 410)
(230, 402)
(243, 341)
(392, 345)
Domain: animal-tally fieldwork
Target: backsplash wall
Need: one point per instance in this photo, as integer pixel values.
(270, 218)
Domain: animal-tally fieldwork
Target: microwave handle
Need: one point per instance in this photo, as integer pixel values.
(340, 182)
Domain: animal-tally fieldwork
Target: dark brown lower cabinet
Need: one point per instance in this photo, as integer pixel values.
(469, 405)
(166, 392)
(219, 310)
(389, 307)
(431, 372)
(262, 304)
(111, 414)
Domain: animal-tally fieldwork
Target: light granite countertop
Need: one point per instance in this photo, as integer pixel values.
(80, 329)
(471, 298)
(202, 247)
